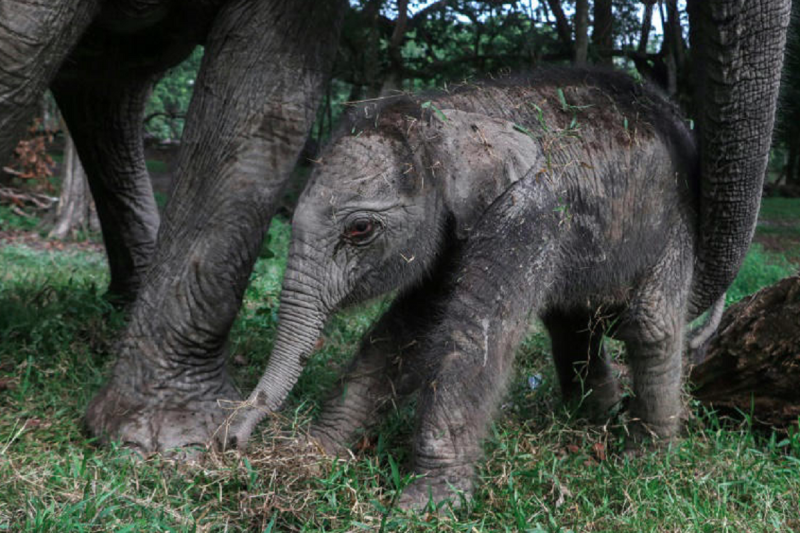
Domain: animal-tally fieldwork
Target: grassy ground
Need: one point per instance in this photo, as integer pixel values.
(545, 471)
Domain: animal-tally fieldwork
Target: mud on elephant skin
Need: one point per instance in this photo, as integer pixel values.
(570, 194)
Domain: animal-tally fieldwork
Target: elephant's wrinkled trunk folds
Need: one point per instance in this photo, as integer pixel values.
(301, 317)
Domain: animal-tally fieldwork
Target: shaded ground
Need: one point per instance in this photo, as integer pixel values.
(36, 241)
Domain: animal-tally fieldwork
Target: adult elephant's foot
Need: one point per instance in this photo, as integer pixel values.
(150, 416)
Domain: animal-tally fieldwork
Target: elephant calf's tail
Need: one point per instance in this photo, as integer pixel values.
(700, 336)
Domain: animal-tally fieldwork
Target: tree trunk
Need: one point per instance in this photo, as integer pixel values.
(791, 164)
(372, 67)
(602, 35)
(647, 20)
(581, 31)
(753, 364)
(394, 80)
(672, 47)
(75, 210)
(562, 24)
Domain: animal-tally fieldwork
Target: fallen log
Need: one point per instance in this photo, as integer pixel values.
(20, 198)
(753, 364)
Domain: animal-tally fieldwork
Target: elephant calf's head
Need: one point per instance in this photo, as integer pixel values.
(366, 224)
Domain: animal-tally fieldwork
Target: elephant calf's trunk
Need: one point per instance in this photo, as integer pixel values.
(299, 328)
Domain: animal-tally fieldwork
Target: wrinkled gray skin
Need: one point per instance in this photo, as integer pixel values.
(254, 102)
(483, 211)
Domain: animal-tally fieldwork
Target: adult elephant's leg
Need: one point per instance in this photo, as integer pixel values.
(254, 102)
(105, 121)
(35, 38)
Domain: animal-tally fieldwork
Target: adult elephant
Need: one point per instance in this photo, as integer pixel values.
(254, 102)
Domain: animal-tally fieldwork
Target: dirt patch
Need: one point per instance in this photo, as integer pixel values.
(33, 240)
(779, 236)
(780, 244)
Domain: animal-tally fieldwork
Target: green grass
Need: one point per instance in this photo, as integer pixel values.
(784, 209)
(779, 227)
(760, 269)
(545, 471)
(161, 199)
(10, 220)
(156, 165)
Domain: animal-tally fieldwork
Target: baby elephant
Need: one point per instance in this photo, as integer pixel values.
(569, 194)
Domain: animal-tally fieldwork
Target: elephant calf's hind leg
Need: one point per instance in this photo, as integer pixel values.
(654, 339)
(585, 376)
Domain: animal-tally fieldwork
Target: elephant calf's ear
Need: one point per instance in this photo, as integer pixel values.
(473, 159)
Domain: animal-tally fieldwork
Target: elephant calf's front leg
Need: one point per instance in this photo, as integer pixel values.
(495, 293)
(458, 400)
(386, 367)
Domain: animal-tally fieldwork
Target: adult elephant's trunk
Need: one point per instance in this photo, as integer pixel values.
(738, 53)
(301, 316)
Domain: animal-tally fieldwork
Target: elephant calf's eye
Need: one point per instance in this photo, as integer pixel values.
(360, 230)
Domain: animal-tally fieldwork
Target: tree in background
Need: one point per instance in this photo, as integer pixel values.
(33, 165)
(75, 209)
(787, 133)
(602, 34)
(25, 181)
(169, 102)
(396, 45)
(581, 32)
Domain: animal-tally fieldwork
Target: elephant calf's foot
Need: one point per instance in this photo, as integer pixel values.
(439, 488)
(599, 402)
(147, 425)
(331, 442)
(595, 402)
(652, 435)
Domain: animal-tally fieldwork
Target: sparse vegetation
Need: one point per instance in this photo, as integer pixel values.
(760, 268)
(545, 470)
